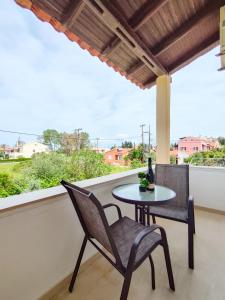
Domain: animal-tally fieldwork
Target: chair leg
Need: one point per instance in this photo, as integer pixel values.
(152, 271)
(77, 264)
(191, 245)
(153, 219)
(193, 220)
(126, 286)
(168, 263)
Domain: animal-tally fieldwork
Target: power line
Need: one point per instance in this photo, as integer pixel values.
(78, 138)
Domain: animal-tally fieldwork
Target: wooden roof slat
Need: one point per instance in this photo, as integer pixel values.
(146, 11)
(116, 22)
(199, 50)
(135, 67)
(185, 28)
(72, 13)
(121, 32)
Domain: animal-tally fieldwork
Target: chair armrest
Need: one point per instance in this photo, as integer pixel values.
(190, 207)
(141, 235)
(114, 205)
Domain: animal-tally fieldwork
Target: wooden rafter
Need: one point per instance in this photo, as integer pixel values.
(110, 15)
(204, 47)
(187, 26)
(72, 13)
(146, 11)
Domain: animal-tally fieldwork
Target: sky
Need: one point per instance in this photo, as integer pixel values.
(47, 81)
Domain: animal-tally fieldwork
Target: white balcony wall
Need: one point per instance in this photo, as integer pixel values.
(207, 185)
(41, 236)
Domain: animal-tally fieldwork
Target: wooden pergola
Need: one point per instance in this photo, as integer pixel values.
(143, 40)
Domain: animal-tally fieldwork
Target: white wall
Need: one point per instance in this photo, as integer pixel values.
(207, 185)
(39, 242)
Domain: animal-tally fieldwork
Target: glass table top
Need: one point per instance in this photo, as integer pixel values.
(130, 193)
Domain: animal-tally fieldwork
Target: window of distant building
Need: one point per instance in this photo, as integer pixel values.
(195, 148)
(183, 148)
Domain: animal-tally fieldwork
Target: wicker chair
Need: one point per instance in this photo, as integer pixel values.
(181, 209)
(129, 242)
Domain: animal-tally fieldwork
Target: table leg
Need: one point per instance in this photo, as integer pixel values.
(136, 213)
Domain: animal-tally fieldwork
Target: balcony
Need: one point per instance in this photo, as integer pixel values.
(41, 237)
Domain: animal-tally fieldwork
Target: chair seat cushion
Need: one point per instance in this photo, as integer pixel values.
(124, 232)
(173, 212)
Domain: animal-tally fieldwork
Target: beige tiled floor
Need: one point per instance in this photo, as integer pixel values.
(100, 281)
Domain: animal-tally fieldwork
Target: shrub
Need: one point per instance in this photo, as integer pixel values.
(46, 170)
(136, 163)
(10, 186)
(87, 164)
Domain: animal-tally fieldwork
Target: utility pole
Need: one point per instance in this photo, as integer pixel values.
(142, 134)
(97, 140)
(149, 138)
(78, 137)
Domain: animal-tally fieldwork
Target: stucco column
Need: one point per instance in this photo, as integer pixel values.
(222, 36)
(163, 119)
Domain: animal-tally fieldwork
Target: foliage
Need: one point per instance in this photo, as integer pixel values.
(144, 182)
(173, 159)
(214, 157)
(10, 186)
(137, 154)
(113, 147)
(52, 138)
(87, 164)
(127, 144)
(136, 163)
(141, 175)
(221, 140)
(14, 160)
(47, 170)
(73, 141)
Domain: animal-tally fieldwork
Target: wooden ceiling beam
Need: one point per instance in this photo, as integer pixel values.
(186, 27)
(72, 13)
(116, 22)
(199, 50)
(145, 12)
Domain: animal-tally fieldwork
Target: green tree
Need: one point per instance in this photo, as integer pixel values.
(137, 154)
(73, 141)
(221, 140)
(127, 144)
(52, 138)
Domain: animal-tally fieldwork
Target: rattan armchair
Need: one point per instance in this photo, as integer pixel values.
(181, 209)
(129, 242)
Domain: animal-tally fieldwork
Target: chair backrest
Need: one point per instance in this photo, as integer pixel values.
(175, 177)
(91, 216)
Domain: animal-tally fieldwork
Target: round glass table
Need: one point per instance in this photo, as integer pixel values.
(130, 193)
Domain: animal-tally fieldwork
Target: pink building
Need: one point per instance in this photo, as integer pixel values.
(190, 144)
